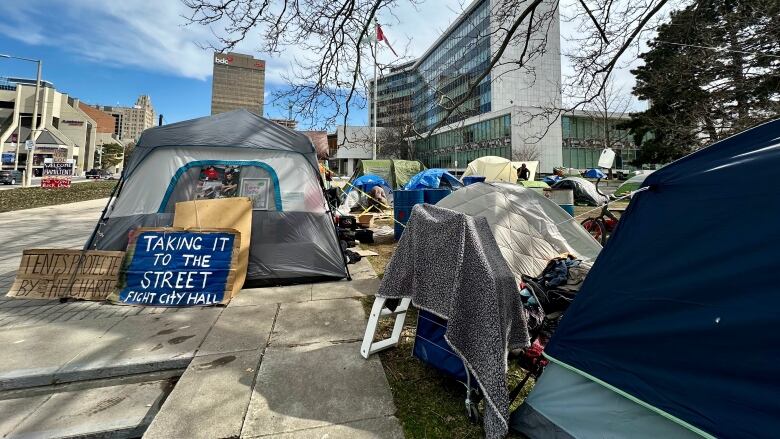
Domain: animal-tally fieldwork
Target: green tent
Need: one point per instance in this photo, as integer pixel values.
(630, 185)
(395, 172)
(534, 184)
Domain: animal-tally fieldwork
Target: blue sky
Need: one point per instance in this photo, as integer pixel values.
(109, 52)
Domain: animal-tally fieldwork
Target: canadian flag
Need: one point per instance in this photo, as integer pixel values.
(380, 36)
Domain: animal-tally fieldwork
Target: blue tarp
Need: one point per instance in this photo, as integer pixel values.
(367, 182)
(432, 179)
(595, 173)
(681, 309)
(552, 179)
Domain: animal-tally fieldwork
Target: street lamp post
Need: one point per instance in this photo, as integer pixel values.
(31, 153)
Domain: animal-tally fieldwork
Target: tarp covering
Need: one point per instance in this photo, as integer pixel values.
(584, 191)
(528, 227)
(366, 182)
(594, 173)
(493, 169)
(293, 236)
(396, 172)
(688, 325)
(432, 179)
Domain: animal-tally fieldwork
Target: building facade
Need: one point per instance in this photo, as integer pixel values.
(585, 134)
(66, 129)
(348, 146)
(238, 81)
(62, 131)
(510, 111)
(130, 122)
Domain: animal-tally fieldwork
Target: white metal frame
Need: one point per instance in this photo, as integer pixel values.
(378, 311)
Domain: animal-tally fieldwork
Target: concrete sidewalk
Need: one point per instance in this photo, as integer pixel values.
(280, 362)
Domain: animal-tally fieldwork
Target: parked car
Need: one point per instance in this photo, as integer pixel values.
(10, 177)
(98, 174)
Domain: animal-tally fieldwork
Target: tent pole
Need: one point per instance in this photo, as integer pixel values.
(91, 239)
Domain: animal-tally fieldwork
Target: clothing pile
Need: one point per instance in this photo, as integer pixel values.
(546, 297)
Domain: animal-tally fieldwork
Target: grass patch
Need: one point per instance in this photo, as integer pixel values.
(30, 197)
(429, 404)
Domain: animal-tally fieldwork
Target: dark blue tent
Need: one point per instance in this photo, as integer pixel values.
(681, 312)
(432, 179)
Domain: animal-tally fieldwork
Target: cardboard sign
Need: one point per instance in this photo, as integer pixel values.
(225, 213)
(178, 268)
(78, 274)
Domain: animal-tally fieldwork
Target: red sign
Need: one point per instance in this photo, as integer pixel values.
(55, 182)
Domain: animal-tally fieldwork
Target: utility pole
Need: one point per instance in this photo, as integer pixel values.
(28, 169)
(30, 154)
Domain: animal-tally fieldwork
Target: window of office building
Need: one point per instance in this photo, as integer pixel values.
(445, 75)
(462, 145)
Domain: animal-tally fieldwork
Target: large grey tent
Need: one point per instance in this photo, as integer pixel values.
(528, 227)
(293, 236)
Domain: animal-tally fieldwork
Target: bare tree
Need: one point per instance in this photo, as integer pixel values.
(613, 103)
(526, 153)
(333, 79)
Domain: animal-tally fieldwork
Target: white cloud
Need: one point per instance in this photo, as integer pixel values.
(144, 34)
(151, 35)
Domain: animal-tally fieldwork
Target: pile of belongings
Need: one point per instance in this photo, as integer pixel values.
(545, 299)
(365, 193)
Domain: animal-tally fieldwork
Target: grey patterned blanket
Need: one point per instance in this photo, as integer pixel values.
(449, 264)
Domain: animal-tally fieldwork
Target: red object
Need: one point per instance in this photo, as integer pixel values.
(380, 36)
(55, 182)
(211, 174)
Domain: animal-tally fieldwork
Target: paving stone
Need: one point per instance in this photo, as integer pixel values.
(318, 321)
(344, 289)
(14, 411)
(272, 295)
(386, 427)
(362, 270)
(314, 386)
(32, 355)
(114, 411)
(142, 344)
(239, 329)
(210, 399)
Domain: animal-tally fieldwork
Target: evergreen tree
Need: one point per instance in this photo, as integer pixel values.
(712, 70)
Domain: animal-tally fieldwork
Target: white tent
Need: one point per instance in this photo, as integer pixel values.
(529, 228)
(493, 169)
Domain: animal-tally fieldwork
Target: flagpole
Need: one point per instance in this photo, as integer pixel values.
(376, 86)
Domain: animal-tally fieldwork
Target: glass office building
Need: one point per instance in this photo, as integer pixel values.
(419, 94)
